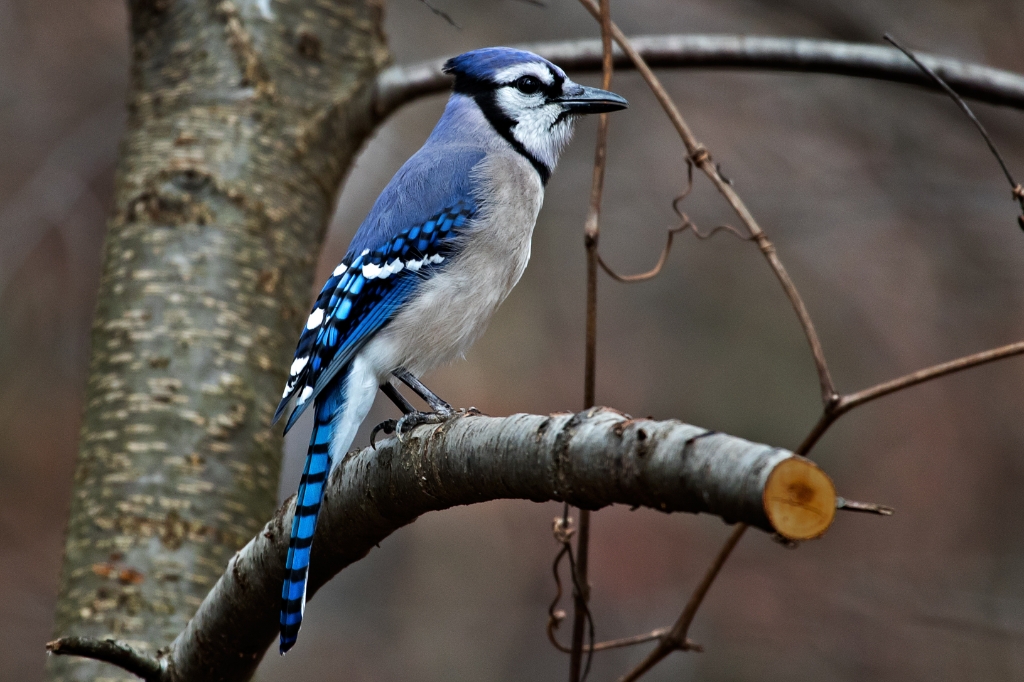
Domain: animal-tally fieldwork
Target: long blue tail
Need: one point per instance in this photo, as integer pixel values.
(307, 508)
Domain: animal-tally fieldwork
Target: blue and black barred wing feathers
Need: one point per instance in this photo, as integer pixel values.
(362, 295)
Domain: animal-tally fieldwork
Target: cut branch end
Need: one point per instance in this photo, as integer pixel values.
(799, 499)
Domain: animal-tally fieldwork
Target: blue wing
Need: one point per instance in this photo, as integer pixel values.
(362, 295)
(410, 234)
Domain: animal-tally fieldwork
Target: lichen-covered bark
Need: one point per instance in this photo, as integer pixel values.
(243, 117)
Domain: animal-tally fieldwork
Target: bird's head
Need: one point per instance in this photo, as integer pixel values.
(528, 100)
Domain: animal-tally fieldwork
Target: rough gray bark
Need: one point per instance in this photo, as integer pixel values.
(591, 460)
(400, 84)
(241, 124)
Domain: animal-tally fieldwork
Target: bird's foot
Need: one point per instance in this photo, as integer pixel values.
(410, 421)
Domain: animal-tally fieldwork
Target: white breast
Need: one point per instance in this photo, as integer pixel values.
(453, 308)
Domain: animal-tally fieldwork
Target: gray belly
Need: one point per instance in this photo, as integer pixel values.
(451, 310)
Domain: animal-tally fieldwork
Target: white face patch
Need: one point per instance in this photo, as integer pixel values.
(537, 125)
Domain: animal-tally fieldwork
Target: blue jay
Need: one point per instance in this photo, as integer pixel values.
(442, 247)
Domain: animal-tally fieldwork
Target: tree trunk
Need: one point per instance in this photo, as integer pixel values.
(243, 117)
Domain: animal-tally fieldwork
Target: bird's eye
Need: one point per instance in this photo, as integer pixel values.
(527, 85)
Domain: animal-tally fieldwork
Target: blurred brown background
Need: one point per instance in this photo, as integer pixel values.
(884, 204)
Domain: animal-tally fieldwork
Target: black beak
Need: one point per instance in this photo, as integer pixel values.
(592, 101)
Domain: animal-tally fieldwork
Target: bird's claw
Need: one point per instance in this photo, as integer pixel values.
(388, 426)
(410, 421)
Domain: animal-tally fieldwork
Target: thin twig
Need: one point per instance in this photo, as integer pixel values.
(846, 403)
(113, 652)
(676, 639)
(1015, 187)
(581, 597)
(591, 237)
(656, 270)
(563, 532)
(864, 507)
(556, 615)
(859, 398)
(441, 13)
(650, 274)
(663, 258)
(624, 642)
(700, 156)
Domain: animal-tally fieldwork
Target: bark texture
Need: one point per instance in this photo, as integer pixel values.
(243, 117)
(591, 459)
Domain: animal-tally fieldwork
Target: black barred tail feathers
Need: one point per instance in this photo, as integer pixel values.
(307, 509)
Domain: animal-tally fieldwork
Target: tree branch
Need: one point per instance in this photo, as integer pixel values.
(675, 639)
(845, 403)
(591, 460)
(591, 236)
(399, 85)
(110, 651)
(699, 155)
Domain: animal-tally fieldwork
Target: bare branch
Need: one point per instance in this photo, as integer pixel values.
(676, 639)
(1015, 187)
(591, 237)
(591, 459)
(853, 400)
(563, 532)
(843, 504)
(845, 403)
(111, 651)
(627, 641)
(399, 85)
(700, 156)
(653, 272)
(441, 13)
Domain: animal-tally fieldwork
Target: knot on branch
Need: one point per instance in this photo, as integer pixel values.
(700, 155)
(562, 529)
(768, 249)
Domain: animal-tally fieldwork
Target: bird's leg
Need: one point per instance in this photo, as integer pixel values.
(411, 417)
(442, 411)
(389, 425)
(436, 404)
(396, 397)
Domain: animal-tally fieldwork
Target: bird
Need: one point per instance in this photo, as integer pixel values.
(443, 245)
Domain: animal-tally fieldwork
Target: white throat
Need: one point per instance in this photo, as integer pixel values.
(538, 127)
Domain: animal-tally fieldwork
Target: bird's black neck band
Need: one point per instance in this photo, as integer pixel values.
(484, 96)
